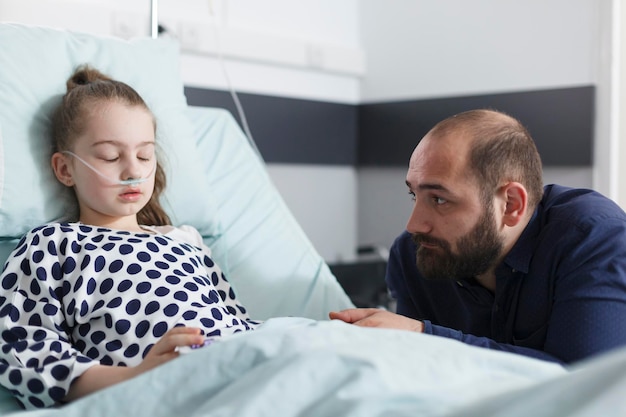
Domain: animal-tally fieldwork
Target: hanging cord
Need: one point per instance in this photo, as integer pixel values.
(157, 29)
(233, 93)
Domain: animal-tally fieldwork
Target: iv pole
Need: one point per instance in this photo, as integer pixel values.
(154, 18)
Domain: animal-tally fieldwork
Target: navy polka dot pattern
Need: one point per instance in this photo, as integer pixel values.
(72, 296)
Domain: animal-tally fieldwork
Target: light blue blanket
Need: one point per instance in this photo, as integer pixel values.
(300, 367)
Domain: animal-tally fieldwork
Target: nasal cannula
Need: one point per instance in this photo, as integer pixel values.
(130, 181)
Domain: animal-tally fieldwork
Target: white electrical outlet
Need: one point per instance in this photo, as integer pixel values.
(315, 56)
(129, 25)
(201, 37)
(196, 37)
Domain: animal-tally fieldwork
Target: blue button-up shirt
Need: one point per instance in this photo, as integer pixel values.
(560, 292)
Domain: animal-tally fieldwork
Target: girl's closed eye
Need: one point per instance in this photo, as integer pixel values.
(109, 158)
(146, 153)
(107, 153)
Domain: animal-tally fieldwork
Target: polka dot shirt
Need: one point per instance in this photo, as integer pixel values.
(73, 296)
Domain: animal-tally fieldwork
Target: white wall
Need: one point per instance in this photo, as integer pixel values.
(617, 120)
(458, 47)
(325, 194)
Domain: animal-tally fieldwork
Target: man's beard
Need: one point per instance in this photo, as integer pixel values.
(478, 250)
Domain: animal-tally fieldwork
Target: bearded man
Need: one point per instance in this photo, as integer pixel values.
(493, 258)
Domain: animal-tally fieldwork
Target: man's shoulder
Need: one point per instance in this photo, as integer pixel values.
(578, 205)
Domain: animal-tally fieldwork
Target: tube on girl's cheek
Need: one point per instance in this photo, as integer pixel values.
(130, 181)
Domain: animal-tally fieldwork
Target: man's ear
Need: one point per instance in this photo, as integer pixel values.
(516, 203)
(60, 166)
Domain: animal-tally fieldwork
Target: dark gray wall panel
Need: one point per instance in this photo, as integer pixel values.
(560, 121)
(291, 130)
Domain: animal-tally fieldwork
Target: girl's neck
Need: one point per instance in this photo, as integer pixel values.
(128, 224)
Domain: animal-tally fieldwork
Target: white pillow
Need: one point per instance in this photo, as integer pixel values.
(35, 63)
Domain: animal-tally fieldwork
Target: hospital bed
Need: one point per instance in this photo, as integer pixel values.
(297, 363)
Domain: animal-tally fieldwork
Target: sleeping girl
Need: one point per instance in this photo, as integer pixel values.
(117, 290)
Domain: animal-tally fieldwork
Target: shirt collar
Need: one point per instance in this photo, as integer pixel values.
(520, 255)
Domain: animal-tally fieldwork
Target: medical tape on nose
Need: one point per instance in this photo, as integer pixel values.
(130, 181)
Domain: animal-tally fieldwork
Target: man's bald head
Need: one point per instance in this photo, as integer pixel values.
(500, 150)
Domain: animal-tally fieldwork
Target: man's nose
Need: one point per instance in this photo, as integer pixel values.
(418, 220)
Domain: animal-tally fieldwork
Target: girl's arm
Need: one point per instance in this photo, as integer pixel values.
(101, 376)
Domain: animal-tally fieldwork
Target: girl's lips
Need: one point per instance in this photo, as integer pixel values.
(131, 194)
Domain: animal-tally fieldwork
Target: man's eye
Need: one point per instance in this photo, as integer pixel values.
(412, 194)
(439, 201)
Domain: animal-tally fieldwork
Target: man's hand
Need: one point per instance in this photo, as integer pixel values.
(374, 317)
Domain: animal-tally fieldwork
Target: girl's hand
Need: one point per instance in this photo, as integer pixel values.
(165, 349)
(101, 376)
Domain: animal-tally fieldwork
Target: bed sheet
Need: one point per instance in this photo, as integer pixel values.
(302, 367)
(592, 388)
